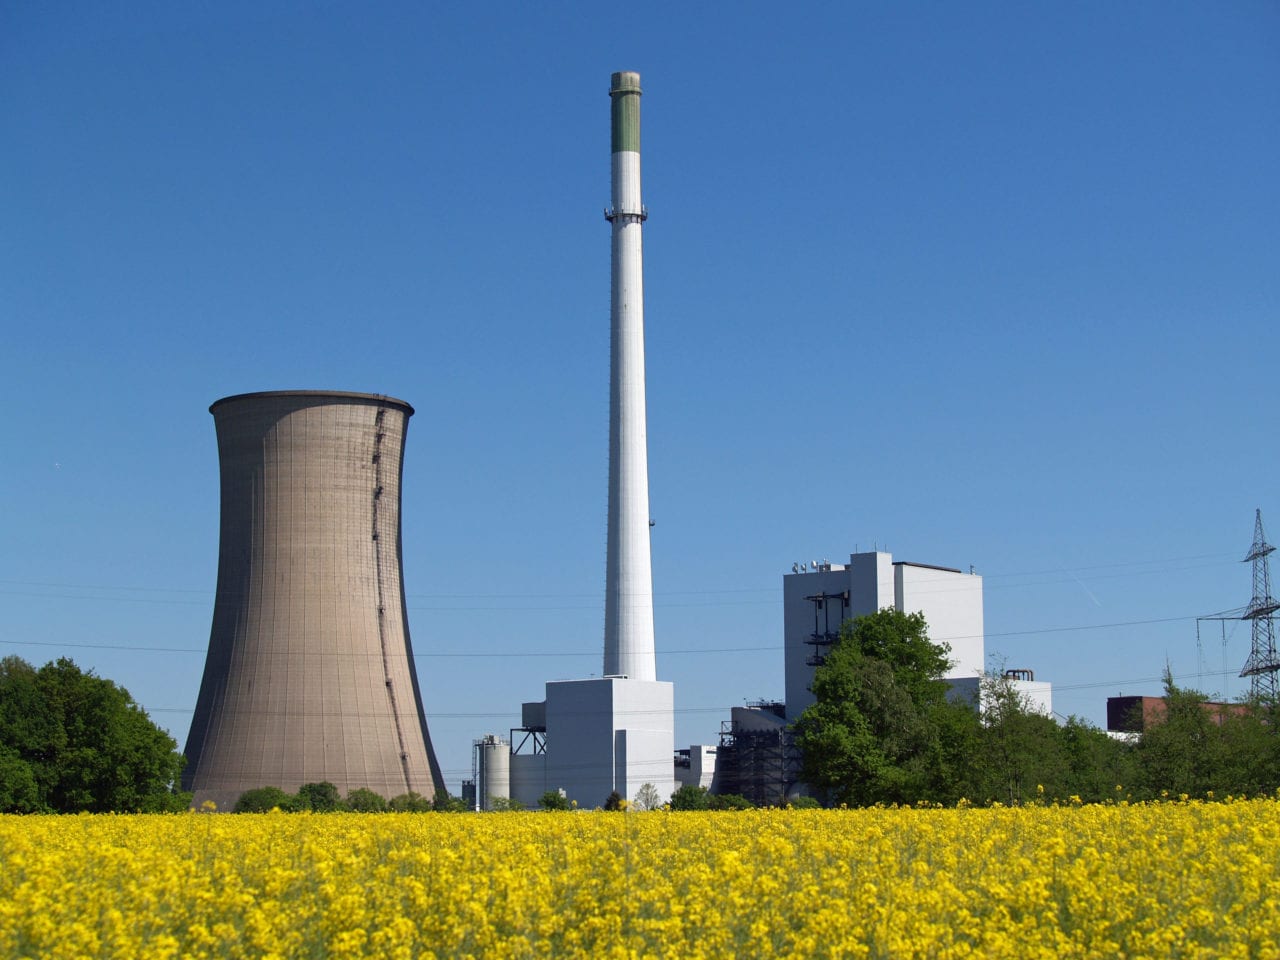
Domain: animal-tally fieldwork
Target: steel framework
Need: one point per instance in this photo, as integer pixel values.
(1262, 665)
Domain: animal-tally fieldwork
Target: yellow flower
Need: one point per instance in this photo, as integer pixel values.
(1197, 879)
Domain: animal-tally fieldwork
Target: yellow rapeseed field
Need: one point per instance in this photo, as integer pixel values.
(1159, 880)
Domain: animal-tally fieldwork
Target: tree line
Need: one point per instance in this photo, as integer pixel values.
(73, 742)
(324, 797)
(883, 730)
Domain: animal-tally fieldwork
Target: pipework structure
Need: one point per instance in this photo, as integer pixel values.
(628, 630)
(310, 673)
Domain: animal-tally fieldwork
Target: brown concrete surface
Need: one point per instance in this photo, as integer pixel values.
(310, 673)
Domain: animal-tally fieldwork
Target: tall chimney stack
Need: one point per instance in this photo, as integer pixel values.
(628, 628)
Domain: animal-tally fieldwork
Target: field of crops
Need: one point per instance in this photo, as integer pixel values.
(1163, 880)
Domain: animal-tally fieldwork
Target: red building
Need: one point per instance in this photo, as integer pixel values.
(1135, 714)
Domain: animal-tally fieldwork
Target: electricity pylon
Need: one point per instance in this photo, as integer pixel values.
(1262, 665)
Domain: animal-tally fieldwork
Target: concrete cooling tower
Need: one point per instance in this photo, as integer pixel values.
(310, 673)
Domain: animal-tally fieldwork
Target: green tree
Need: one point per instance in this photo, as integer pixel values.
(873, 733)
(411, 802)
(615, 801)
(266, 799)
(1022, 756)
(690, 796)
(729, 801)
(1197, 748)
(505, 805)
(804, 803)
(443, 803)
(82, 743)
(1095, 762)
(1183, 752)
(952, 764)
(554, 800)
(1251, 750)
(364, 800)
(19, 792)
(322, 797)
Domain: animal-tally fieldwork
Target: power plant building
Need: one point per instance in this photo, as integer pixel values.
(819, 598)
(757, 756)
(614, 733)
(309, 675)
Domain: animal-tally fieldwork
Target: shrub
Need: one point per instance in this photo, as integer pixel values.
(411, 802)
(729, 801)
(443, 803)
(265, 799)
(690, 797)
(553, 800)
(322, 797)
(364, 800)
(804, 803)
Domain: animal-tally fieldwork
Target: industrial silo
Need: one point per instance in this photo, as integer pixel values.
(310, 673)
(493, 771)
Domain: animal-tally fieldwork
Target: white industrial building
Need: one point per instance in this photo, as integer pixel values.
(696, 766)
(817, 598)
(603, 734)
(587, 739)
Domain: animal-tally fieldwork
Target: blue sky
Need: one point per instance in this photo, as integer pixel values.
(989, 284)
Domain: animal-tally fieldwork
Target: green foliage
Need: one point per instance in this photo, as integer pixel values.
(1021, 750)
(504, 805)
(554, 800)
(690, 796)
(882, 730)
(804, 803)
(1197, 750)
(19, 792)
(1094, 763)
(411, 802)
(322, 797)
(900, 640)
(952, 763)
(729, 801)
(266, 799)
(443, 803)
(71, 741)
(615, 801)
(873, 735)
(364, 800)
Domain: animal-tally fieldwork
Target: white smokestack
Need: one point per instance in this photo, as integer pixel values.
(628, 627)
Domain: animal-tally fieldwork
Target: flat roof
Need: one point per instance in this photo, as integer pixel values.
(925, 566)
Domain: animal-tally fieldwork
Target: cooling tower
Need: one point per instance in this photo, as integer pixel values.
(310, 674)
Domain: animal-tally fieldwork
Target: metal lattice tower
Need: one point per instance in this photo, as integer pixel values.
(1262, 664)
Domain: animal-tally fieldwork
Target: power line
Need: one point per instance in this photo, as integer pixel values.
(513, 654)
(505, 655)
(1071, 576)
